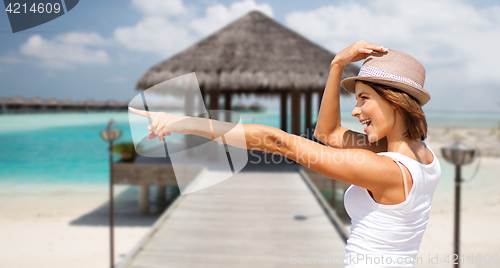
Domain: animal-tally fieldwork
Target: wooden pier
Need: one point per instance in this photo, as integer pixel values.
(18, 104)
(253, 219)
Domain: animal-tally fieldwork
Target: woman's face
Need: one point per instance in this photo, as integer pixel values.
(372, 106)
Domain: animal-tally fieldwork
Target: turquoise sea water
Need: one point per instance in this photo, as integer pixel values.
(67, 148)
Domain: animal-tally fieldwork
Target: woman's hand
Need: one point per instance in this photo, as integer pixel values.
(163, 123)
(356, 52)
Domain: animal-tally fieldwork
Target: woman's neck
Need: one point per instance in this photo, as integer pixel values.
(402, 145)
(415, 149)
(397, 142)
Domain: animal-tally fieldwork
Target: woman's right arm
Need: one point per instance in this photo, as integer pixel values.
(328, 127)
(329, 114)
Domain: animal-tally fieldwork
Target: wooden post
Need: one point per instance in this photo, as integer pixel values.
(214, 104)
(296, 111)
(189, 105)
(227, 106)
(144, 198)
(308, 112)
(284, 95)
(161, 193)
(202, 107)
(320, 99)
(214, 114)
(334, 194)
(189, 110)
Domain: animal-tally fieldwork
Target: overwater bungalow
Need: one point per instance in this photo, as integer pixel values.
(37, 104)
(239, 107)
(53, 104)
(257, 107)
(19, 104)
(67, 104)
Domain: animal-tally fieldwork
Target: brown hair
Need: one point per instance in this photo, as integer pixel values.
(408, 106)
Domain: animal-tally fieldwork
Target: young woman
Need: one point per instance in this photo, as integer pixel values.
(392, 171)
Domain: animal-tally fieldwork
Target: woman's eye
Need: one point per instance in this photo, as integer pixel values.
(364, 98)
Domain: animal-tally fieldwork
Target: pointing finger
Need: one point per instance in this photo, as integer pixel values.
(140, 112)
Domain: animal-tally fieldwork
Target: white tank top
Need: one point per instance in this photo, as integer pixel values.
(391, 233)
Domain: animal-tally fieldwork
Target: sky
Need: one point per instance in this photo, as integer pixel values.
(100, 49)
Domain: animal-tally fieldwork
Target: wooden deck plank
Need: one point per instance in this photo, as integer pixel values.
(253, 219)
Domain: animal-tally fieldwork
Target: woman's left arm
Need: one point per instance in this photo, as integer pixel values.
(257, 137)
(360, 167)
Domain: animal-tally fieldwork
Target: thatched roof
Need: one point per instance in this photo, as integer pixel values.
(110, 103)
(252, 53)
(17, 100)
(52, 101)
(36, 100)
(67, 102)
(92, 102)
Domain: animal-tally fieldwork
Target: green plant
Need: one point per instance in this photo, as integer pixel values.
(126, 150)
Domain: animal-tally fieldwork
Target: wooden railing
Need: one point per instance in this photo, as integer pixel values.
(146, 175)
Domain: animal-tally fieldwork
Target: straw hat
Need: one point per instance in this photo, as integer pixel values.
(392, 68)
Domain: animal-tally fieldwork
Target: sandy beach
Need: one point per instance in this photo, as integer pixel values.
(67, 225)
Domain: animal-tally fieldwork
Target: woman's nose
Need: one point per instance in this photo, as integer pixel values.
(355, 111)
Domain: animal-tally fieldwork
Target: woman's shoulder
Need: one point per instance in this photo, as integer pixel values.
(428, 158)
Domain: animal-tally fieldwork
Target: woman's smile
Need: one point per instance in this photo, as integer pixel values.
(367, 122)
(366, 128)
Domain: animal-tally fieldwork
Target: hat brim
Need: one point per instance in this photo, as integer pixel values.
(419, 93)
